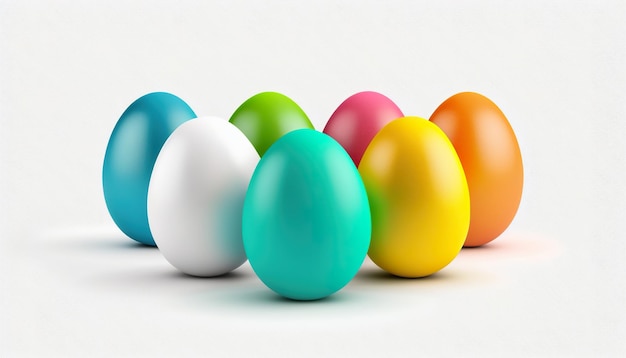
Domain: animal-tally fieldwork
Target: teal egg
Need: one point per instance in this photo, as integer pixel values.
(306, 219)
(130, 155)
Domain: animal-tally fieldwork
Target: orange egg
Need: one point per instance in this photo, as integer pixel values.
(491, 159)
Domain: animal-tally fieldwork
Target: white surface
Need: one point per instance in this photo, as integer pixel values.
(553, 285)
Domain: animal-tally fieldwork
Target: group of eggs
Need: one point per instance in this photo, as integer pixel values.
(306, 207)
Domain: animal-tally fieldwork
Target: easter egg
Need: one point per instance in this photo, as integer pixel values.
(130, 155)
(196, 195)
(357, 120)
(418, 197)
(306, 219)
(267, 116)
(491, 158)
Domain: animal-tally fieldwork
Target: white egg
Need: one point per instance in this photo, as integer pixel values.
(196, 195)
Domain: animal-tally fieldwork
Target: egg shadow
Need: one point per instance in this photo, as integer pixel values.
(254, 297)
(376, 275)
(164, 280)
(490, 246)
(95, 242)
(269, 297)
(228, 276)
(373, 277)
(513, 246)
(118, 244)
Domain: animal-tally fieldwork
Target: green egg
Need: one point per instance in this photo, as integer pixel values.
(267, 116)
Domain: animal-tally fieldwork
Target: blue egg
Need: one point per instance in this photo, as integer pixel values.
(306, 217)
(132, 150)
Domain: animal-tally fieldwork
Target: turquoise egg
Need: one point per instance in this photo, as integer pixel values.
(306, 218)
(130, 155)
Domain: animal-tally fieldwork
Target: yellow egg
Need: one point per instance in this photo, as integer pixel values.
(418, 197)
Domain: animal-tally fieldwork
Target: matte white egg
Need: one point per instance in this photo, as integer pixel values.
(196, 194)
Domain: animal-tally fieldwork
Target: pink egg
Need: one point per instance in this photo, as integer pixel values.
(357, 120)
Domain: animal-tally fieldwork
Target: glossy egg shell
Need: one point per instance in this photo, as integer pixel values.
(196, 195)
(306, 219)
(267, 116)
(491, 158)
(357, 120)
(130, 155)
(418, 198)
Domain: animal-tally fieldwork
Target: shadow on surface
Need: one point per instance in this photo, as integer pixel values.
(229, 276)
(97, 240)
(513, 246)
(113, 244)
(266, 296)
(161, 279)
(258, 298)
(374, 274)
(111, 262)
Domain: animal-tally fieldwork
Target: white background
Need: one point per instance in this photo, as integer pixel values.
(554, 284)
